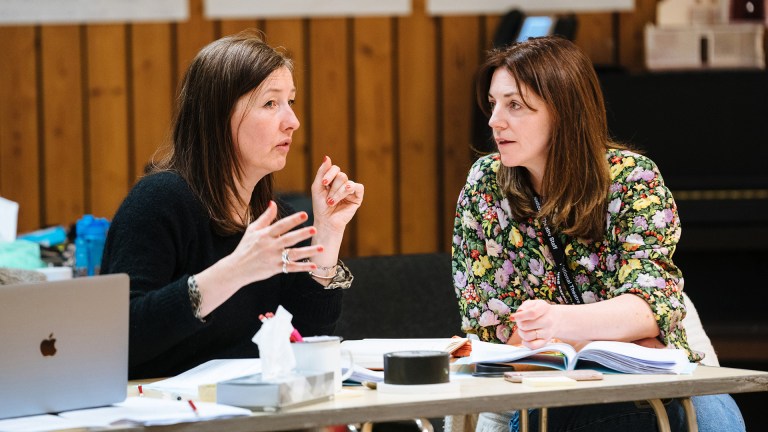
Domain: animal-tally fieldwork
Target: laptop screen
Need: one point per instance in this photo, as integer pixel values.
(65, 344)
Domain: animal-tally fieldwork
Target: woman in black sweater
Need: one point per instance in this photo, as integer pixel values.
(201, 237)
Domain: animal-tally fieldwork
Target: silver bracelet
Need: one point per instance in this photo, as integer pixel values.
(195, 298)
(334, 267)
(341, 279)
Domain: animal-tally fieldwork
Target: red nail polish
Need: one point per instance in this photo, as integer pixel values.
(313, 231)
(349, 187)
(320, 249)
(330, 201)
(304, 216)
(325, 182)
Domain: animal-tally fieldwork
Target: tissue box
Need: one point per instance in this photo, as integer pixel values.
(256, 393)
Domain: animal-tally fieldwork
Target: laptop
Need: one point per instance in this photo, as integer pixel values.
(64, 345)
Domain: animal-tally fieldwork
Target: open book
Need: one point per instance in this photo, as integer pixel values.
(369, 353)
(608, 356)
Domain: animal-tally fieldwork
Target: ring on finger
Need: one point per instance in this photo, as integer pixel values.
(285, 258)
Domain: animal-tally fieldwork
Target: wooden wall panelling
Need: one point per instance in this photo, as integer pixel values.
(631, 33)
(298, 172)
(229, 27)
(19, 135)
(491, 22)
(417, 140)
(153, 93)
(374, 135)
(107, 164)
(63, 140)
(191, 36)
(595, 37)
(460, 58)
(328, 123)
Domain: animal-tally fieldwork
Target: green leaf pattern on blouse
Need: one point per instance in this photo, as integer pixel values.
(499, 262)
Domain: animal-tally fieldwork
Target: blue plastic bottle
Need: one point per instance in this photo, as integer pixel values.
(89, 245)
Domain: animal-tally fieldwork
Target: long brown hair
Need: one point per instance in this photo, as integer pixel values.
(576, 176)
(202, 148)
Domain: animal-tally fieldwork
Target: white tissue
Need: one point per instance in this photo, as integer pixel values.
(274, 341)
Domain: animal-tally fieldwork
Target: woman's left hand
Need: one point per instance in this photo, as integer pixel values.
(335, 198)
(536, 323)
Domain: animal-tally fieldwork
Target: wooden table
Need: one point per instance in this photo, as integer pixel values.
(360, 404)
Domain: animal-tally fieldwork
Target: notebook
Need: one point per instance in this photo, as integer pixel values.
(64, 345)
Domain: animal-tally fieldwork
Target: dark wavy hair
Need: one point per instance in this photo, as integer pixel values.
(202, 149)
(576, 177)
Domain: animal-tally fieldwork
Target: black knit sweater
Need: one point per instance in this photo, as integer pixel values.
(159, 236)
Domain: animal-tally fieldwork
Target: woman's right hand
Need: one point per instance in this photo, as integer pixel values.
(258, 256)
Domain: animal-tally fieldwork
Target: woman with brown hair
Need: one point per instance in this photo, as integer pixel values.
(564, 234)
(202, 238)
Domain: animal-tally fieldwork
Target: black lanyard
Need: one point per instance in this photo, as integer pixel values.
(561, 269)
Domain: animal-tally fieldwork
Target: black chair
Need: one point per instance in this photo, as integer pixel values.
(400, 296)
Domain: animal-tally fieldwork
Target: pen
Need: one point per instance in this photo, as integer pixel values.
(141, 391)
(192, 405)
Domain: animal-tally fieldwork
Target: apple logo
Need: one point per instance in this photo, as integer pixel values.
(48, 346)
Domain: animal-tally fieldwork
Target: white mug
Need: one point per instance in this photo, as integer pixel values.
(323, 353)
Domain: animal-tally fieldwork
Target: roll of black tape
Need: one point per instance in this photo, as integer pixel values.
(416, 367)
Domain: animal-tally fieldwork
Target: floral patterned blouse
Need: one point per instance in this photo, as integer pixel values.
(499, 262)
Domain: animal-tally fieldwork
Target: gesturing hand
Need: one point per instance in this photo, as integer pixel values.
(335, 198)
(265, 248)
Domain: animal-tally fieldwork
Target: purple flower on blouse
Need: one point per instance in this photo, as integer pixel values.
(474, 312)
(485, 286)
(503, 332)
(508, 268)
(503, 218)
(482, 206)
(460, 279)
(616, 187)
(614, 206)
(674, 302)
(663, 217)
(456, 239)
(501, 278)
(589, 262)
(498, 306)
(531, 232)
(647, 175)
(610, 262)
(641, 254)
(581, 279)
(536, 267)
(488, 318)
(640, 222)
(528, 289)
(661, 283)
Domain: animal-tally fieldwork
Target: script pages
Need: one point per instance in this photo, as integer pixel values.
(369, 353)
(608, 356)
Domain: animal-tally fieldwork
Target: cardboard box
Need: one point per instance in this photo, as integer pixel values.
(292, 390)
(726, 46)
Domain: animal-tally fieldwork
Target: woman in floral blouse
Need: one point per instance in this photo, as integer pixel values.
(614, 226)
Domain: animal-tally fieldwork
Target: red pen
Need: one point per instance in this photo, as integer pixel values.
(141, 391)
(192, 404)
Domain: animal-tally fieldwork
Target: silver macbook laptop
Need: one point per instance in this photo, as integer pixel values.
(64, 345)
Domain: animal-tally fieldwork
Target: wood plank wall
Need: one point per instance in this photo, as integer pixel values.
(84, 107)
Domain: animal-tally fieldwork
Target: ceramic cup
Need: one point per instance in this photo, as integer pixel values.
(323, 353)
